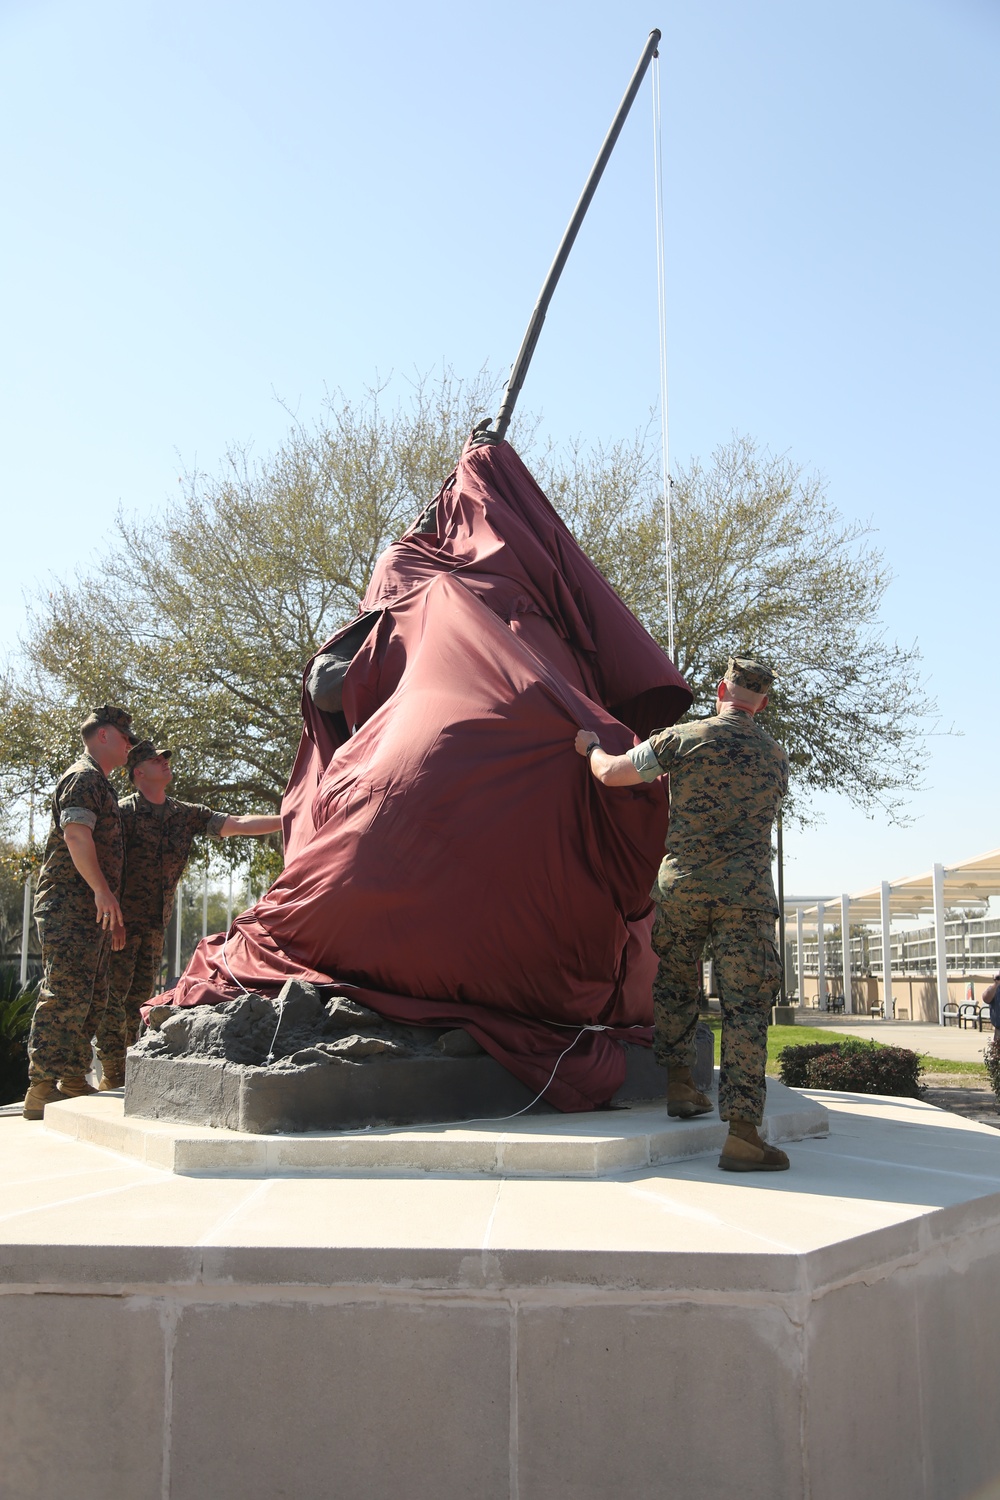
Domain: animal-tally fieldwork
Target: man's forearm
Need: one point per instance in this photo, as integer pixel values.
(613, 770)
(83, 853)
(250, 825)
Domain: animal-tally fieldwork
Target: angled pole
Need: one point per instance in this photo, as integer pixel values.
(519, 368)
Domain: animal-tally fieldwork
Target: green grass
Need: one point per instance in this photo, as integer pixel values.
(779, 1037)
(950, 1065)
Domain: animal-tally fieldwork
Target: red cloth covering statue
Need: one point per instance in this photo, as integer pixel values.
(449, 860)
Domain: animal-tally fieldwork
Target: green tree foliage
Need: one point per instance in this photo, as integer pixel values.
(763, 566)
(201, 617)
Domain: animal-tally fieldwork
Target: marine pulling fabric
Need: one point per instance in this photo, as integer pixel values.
(452, 862)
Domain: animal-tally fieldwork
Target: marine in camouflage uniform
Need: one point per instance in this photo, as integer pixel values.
(158, 833)
(157, 839)
(727, 780)
(78, 916)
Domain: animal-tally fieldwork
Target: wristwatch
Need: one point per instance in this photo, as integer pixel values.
(591, 748)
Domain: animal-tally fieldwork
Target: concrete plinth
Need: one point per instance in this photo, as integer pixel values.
(662, 1332)
(580, 1145)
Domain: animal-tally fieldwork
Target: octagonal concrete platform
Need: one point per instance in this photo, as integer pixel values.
(668, 1331)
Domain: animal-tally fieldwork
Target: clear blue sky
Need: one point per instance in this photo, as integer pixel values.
(212, 206)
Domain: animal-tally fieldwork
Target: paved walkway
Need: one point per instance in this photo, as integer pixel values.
(980, 1105)
(959, 1045)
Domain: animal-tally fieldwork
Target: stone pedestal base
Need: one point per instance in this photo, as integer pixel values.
(658, 1333)
(378, 1091)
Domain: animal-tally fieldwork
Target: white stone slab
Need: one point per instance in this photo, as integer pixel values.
(584, 1145)
(814, 1334)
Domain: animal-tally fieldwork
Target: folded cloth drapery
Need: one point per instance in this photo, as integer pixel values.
(452, 862)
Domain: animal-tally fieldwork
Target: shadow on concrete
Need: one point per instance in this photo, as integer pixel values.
(929, 1160)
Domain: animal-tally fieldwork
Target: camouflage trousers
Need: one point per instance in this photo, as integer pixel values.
(134, 972)
(73, 994)
(748, 973)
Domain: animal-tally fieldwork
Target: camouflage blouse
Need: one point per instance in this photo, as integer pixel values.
(727, 779)
(83, 795)
(158, 839)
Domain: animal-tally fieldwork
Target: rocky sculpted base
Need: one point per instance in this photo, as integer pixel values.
(306, 1061)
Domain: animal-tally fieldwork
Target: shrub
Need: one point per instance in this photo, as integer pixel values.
(992, 1059)
(17, 1007)
(854, 1066)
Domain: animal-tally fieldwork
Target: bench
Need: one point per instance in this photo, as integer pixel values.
(950, 1013)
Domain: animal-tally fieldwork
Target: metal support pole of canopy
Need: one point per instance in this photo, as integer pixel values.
(940, 948)
(519, 370)
(885, 915)
(845, 952)
(821, 955)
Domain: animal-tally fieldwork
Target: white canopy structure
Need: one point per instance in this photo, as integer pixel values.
(967, 885)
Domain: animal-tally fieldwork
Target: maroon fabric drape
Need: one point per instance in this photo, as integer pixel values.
(453, 862)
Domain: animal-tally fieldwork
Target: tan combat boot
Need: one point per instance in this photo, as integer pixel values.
(41, 1091)
(684, 1101)
(744, 1151)
(75, 1087)
(112, 1076)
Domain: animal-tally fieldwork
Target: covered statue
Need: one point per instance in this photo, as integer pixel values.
(449, 861)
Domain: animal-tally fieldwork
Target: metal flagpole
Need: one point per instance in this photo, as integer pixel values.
(25, 932)
(496, 434)
(783, 996)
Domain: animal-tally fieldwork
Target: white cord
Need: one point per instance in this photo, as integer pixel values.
(498, 1119)
(661, 301)
(229, 971)
(279, 1003)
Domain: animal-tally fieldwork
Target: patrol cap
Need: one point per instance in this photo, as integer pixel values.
(752, 676)
(144, 750)
(115, 718)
